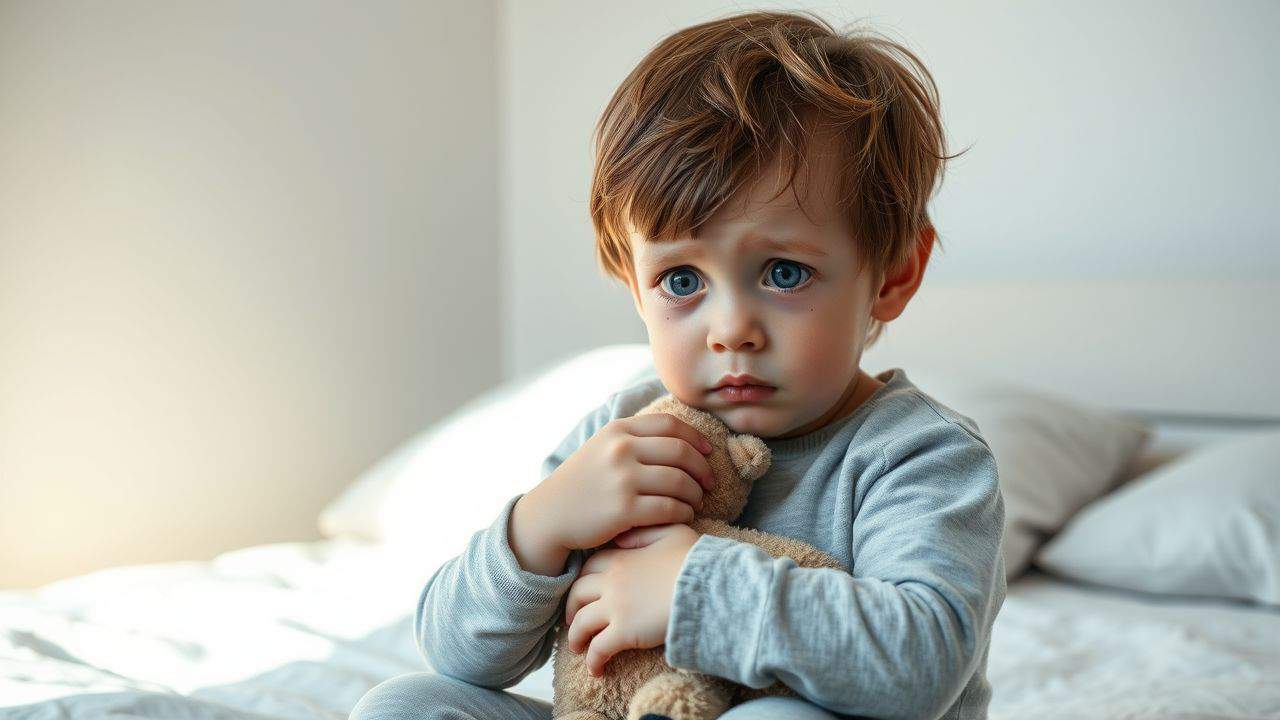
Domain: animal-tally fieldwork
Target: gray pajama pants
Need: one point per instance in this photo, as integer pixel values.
(430, 696)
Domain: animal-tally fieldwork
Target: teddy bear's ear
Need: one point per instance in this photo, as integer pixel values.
(749, 454)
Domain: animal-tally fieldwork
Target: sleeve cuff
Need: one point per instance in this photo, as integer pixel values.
(529, 589)
(717, 609)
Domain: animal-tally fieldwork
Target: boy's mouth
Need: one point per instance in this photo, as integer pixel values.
(742, 388)
(745, 393)
(740, 381)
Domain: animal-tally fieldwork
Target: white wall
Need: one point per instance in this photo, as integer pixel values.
(1109, 140)
(245, 249)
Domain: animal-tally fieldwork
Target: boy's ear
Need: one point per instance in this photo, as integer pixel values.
(901, 283)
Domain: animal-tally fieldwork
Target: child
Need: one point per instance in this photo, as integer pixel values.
(760, 185)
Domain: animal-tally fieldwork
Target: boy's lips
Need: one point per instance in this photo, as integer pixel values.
(744, 393)
(740, 381)
(742, 388)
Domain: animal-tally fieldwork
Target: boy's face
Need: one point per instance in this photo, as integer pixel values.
(769, 292)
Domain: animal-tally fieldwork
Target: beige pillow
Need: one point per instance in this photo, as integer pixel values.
(1205, 524)
(1054, 456)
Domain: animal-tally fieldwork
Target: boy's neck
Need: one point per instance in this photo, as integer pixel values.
(861, 387)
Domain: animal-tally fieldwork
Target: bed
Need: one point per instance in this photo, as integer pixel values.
(302, 630)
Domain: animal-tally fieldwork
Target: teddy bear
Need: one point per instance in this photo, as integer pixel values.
(639, 684)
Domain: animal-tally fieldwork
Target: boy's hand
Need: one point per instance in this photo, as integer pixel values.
(622, 599)
(636, 471)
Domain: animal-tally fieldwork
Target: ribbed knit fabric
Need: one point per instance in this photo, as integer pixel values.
(903, 491)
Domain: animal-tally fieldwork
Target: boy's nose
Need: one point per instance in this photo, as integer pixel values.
(738, 333)
(743, 345)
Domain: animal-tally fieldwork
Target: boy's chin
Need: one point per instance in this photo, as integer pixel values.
(756, 419)
(746, 419)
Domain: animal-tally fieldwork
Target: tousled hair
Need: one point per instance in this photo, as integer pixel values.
(710, 105)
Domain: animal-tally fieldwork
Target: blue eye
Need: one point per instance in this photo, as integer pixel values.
(786, 274)
(683, 282)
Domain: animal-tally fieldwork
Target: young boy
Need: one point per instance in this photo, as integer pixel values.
(760, 186)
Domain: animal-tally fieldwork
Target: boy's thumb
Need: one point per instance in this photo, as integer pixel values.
(639, 537)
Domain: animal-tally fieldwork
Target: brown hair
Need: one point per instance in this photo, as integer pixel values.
(696, 119)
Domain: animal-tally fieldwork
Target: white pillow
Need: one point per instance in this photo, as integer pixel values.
(1054, 456)
(452, 478)
(1206, 524)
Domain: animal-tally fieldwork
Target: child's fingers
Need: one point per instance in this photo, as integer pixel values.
(641, 536)
(590, 620)
(585, 590)
(605, 645)
(675, 453)
(626, 539)
(660, 510)
(599, 561)
(673, 482)
(655, 424)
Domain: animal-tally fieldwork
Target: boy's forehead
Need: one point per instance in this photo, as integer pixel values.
(742, 234)
(773, 195)
(764, 209)
(800, 213)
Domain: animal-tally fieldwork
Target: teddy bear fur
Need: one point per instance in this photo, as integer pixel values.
(639, 684)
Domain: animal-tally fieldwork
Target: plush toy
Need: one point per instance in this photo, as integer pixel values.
(639, 684)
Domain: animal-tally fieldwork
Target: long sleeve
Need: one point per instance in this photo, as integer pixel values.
(900, 635)
(483, 619)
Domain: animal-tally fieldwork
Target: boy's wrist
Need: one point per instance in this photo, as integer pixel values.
(535, 548)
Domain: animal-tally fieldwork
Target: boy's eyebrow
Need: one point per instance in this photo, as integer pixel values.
(661, 257)
(788, 245)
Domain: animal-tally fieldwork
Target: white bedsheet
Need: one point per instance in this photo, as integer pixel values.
(302, 630)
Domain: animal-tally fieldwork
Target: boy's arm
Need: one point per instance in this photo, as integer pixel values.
(898, 638)
(484, 619)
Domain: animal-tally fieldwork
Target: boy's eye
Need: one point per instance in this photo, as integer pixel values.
(786, 274)
(682, 282)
